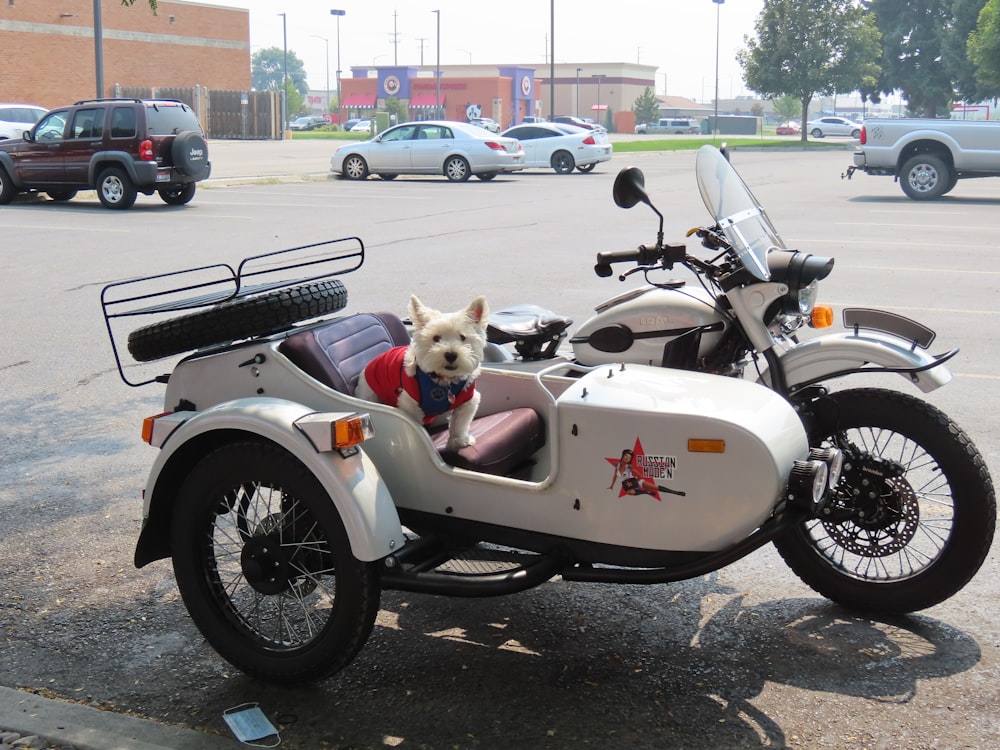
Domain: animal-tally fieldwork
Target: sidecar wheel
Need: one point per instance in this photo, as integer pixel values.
(240, 318)
(913, 515)
(264, 567)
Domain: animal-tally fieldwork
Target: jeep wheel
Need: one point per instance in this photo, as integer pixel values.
(190, 154)
(177, 195)
(115, 189)
(240, 318)
(7, 189)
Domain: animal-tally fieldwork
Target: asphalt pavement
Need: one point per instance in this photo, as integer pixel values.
(32, 722)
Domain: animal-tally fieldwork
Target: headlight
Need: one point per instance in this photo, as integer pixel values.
(807, 298)
(801, 272)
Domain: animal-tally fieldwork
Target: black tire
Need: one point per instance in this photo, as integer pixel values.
(562, 162)
(487, 176)
(913, 515)
(856, 133)
(7, 189)
(457, 169)
(388, 176)
(925, 177)
(264, 566)
(189, 152)
(178, 195)
(816, 133)
(239, 318)
(586, 167)
(355, 167)
(61, 195)
(115, 190)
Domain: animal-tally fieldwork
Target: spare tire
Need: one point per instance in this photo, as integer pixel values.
(190, 154)
(240, 318)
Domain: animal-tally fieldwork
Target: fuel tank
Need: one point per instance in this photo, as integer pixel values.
(651, 325)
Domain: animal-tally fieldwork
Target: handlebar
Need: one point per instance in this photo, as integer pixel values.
(644, 255)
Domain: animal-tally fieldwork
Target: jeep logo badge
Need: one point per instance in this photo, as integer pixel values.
(197, 153)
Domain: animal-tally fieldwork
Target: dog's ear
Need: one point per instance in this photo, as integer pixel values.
(478, 311)
(419, 314)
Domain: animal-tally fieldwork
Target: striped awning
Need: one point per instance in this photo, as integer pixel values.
(359, 101)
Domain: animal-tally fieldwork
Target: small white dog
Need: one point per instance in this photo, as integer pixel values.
(437, 372)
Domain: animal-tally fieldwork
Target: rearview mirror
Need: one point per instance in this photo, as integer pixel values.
(630, 188)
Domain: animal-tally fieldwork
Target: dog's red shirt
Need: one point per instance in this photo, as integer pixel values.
(387, 377)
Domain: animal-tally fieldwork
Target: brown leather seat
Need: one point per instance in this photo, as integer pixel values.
(335, 353)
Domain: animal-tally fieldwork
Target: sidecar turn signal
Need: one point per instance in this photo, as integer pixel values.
(336, 432)
(705, 445)
(822, 317)
(157, 428)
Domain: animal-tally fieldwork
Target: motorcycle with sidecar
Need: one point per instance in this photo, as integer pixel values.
(287, 504)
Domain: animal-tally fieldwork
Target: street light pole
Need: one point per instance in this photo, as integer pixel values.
(327, 68)
(437, 68)
(284, 77)
(340, 109)
(718, 6)
(599, 76)
(578, 91)
(99, 49)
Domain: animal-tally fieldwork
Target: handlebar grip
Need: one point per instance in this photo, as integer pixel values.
(617, 256)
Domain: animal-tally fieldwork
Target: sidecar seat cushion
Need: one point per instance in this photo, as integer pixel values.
(336, 352)
(504, 441)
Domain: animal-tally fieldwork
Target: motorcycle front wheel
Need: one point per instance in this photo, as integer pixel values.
(913, 515)
(264, 567)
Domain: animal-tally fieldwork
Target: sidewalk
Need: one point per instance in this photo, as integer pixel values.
(63, 724)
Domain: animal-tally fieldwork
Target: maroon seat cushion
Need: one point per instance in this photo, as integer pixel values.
(504, 441)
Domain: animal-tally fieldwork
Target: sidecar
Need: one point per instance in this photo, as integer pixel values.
(286, 503)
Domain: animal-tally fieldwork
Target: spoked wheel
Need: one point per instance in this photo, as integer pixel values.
(913, 515)
(264, 566)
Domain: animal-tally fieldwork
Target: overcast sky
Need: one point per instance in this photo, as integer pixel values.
(677, 36)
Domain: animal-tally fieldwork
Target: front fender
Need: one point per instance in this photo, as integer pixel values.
(844, 353)
(353, 483)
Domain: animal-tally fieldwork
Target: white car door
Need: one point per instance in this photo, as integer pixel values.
(391, 153)
(431, 145)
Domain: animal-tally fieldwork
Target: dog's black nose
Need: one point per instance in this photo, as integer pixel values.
(450, 357)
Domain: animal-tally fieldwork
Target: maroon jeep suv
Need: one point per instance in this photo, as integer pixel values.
(118, 147)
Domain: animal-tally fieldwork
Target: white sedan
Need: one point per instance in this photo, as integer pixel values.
(561, 147)
(455, 149)
(825, 126)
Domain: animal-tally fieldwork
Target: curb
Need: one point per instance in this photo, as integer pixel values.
(87, 728)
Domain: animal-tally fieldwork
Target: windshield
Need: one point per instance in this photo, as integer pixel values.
(738, 213)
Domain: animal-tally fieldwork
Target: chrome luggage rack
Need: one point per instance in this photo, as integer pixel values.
(145, 301)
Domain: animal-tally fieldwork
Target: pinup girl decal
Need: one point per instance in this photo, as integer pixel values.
(633, 481)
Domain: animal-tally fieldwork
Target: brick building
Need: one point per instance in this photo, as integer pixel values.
(49, 52)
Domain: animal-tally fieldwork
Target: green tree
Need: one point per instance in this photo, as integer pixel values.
(957, 60)
(609, 120)
(913, 58)
(266, 71)
(395, 107)
(646, 108)
(984, 49)
(152, 4)
(805, 47)
(787, 108)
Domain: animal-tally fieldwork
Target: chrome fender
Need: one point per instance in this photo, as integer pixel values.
(353, 483)
(842, 353)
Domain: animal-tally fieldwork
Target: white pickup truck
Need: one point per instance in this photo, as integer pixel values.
(928, 157)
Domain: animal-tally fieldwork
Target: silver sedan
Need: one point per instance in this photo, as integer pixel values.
(455, 149)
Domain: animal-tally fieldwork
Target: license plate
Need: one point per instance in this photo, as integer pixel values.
(163, 176)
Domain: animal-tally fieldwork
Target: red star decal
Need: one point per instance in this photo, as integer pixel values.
(637, 451)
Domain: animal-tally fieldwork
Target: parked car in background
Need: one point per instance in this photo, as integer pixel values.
(579, 122)
(528, 119)
(457, 150)
(362, 126)
(350, 123)
(16, 118)
(485, 122)
(561, 147)
(118, 147)
(307, 122)
(669, 126)
(825, 126)
(788, 128)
